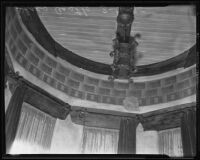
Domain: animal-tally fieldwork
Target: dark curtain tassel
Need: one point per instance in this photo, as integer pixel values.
(13, 114)
(188, 133)
(127, 136)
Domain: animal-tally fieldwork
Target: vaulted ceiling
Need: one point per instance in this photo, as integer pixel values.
(88, 31)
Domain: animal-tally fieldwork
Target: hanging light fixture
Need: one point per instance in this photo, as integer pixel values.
(124, 46)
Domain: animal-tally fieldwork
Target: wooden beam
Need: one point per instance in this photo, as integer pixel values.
(46, 104)
(169, 109)
(165, 120)
(165, 127)
(104, 112)
(42, 100)
(161, 125)
(95, 119)
(98, 117)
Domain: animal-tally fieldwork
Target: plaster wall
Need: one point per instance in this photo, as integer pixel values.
(67, 138)
(146, 141)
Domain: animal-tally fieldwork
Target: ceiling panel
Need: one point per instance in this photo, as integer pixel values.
(88, 31)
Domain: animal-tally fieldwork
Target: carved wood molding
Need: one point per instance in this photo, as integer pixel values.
(98, 118)
(165, 119)
(41, 99)
(95, 120)
(46, 104)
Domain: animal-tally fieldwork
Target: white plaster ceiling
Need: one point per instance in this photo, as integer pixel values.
(88, 31)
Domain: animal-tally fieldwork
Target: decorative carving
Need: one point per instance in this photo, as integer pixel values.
(131, 103)
(124, 46)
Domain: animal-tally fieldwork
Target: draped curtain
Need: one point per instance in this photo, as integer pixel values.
(13, 114)
(127, 136)
(170, 142)
(188, 132)
(99, 140)
(35, 131)
(7, 96)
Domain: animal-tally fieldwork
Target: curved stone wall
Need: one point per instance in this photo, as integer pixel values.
(46, 68)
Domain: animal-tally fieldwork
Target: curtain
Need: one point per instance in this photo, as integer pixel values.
(13, 114)
(7, 96)
(35, 131)
(188, 132)
(127, 136)
(170, 142)
(99, 140)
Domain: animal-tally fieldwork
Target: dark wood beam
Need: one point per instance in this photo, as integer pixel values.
(156, 120)
(46, 104)
(41, 99)
(169, 109)
(95, 120)
(98, 117)
(104, 111)
(164, 120)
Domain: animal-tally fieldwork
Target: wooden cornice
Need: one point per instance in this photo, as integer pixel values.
(155, 120)
(99, 118)
(164, 119)
(41, 99)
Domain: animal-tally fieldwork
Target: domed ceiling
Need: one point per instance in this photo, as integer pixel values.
(88, 31)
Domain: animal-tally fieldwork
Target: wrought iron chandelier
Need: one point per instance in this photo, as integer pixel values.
(124, 46)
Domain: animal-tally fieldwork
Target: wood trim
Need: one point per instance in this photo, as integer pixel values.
(98, 118)
(156, 120)
(95, 120)
(164, 120)
(39, 32)
(42, 100)
(46, 104)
